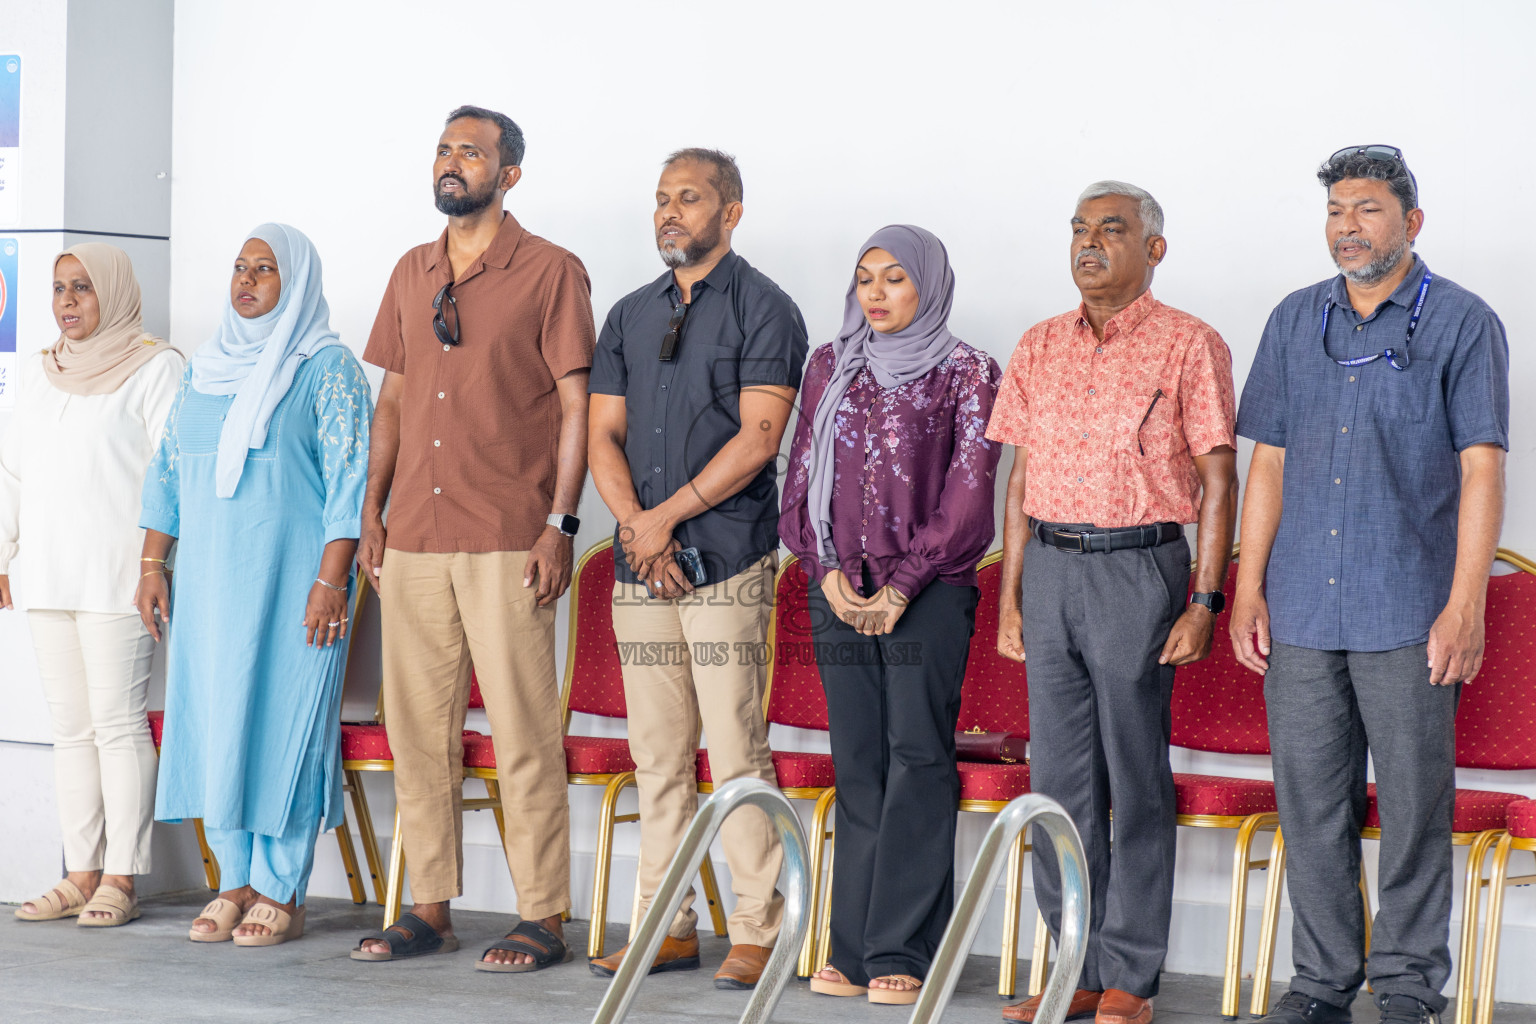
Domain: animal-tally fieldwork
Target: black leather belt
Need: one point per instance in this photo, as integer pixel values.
(1075, 539)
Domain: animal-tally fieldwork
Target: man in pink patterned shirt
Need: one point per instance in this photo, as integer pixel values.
(1121, 414)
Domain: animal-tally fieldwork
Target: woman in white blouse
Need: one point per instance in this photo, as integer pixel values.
(89, 414)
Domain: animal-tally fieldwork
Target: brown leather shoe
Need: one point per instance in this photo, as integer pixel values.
(1119, 1007)
(675, 955)
(1084, 1002)
(743, 966)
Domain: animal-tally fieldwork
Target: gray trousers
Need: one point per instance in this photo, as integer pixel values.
(1326, 709)
(1099, 722)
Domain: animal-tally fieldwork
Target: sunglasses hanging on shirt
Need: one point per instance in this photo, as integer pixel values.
(1397, 358)
(440, 310)
(669, 341)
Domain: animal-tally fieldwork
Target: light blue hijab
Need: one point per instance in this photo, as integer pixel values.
(255, 360)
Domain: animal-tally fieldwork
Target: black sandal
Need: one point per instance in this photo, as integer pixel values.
(532, 938)
(420, 939)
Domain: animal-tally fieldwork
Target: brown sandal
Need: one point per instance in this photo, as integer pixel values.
(841, 987)
(225, 914)
(896, 996)
(281, 925)
(51, 907)
(119, 906)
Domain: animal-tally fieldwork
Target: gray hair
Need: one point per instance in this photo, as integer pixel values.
(1151, 210)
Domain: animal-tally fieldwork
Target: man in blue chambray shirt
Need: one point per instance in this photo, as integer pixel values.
(1379, 404)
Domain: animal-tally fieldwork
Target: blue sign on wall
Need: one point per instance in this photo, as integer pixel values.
(7, 295)
(10, 100)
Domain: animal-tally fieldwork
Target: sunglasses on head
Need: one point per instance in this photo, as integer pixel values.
(445, 334)
(1380, 154)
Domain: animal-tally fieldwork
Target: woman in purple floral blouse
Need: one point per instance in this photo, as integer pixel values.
(889, 506)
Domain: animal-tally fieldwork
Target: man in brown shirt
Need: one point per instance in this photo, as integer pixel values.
(479, 446)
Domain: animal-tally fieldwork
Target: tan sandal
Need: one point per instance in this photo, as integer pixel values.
(281, 925)
(119, 907)
(896, 996)
(841, 987)
(225, 914)
(54, 908)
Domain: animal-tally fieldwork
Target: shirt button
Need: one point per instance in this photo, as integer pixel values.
(1351, 380)
(437, 490)
(1343, 430)
(1100, 350)
(1092, 392)
(1330, 581)
(1079, 479)
(865, 539)
(1360, 327)
(441, 395)
(1337, 480)
(658, 430)
(447, 347)
(1085, 433)
(437, 444)
(1334, 532)
(655, 469)
(663, 387)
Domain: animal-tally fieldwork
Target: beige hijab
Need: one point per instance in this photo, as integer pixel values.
(103, 362)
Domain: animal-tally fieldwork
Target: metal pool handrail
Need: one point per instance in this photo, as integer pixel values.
(685, 864)
(963, 925)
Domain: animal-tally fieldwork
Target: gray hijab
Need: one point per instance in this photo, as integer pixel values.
(893, 358)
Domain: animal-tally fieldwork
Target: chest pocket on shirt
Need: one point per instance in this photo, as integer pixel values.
(1152, 433)
(1404, 395)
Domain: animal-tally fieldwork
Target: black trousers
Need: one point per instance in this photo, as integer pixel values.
(893, 702)
(1327, 710)
(1099, 724)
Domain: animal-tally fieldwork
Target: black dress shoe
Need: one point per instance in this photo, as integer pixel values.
(1397, 1008)
(1299, 1008)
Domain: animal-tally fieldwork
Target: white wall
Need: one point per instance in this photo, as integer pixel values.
(981, 121)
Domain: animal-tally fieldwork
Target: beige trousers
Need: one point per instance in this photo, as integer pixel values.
(440, 614)
(95, 672)
(690, 660)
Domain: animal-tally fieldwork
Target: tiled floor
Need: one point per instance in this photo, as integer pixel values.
(148, 971)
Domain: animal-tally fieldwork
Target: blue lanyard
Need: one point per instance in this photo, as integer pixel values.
(1391, 355)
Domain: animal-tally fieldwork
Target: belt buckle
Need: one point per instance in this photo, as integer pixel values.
(1081, 547)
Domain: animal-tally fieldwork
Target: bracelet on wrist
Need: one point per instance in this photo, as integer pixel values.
(160, 560)
(156, 572)
(330, 586)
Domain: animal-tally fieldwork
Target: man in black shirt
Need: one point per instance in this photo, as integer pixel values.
(693, 384)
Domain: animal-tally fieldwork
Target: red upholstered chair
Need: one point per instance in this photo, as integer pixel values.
(796, 699)
(365, 748)
(994, 697)
(210, 862)
(594, 685)
(1495, 729)
(1218, 706)
(343, 833)
(1519, 833)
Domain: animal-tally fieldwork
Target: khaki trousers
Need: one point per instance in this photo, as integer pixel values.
(440, 614)
(698, 658)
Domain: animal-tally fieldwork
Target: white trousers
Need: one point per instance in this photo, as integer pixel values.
(95, 669)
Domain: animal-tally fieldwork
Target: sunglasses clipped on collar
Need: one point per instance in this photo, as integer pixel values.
(674, 333)
(440, 310)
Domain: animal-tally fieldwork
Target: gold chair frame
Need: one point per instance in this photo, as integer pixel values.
(1475, 981)
(1474, 986)
(614, 784)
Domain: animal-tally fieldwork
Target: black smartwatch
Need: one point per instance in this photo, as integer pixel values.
(1215, 601)
(568, 525)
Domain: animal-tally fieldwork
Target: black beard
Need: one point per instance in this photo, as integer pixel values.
(465, 203)
(697, 248)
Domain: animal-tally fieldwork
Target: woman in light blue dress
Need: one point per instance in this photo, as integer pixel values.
(258, 481)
